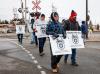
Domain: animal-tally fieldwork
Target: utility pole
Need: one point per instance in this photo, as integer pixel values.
(22, 7)
(87, 12)
(25, 10)
(87, 16)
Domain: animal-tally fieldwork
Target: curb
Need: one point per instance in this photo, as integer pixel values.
(92, 40)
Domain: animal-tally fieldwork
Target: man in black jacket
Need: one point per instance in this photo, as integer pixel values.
(72, 25)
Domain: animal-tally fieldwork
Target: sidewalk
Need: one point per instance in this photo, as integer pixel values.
(93, 37)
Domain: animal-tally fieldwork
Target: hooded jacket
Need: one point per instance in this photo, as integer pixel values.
(84, 28)
(54, 27)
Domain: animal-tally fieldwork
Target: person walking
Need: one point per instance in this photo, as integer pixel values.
(20, 30)
(32, 32)
(72, 25)
(54, 28)
(84, 30)
(37, 15)
(41, 25)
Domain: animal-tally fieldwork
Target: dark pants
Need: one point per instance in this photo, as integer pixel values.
(41, 44)
(55, 59)
(20, 38)
(73, 56)
(36, 40)
(87, 35)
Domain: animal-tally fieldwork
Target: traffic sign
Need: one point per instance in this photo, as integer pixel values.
(36, 5)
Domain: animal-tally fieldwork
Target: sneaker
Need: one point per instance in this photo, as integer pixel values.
(74, 64)
(54, 70)
(41, 54)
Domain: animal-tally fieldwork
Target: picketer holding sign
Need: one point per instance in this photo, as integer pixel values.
(20, 30)
(54, 28)
(72, 25)
(40, 27)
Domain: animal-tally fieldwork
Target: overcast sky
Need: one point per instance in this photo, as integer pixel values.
(64, 8)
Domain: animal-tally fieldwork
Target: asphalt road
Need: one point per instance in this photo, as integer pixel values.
(88, 59)
(15, 59)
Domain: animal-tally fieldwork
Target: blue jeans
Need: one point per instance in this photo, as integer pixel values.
(32, 37)
(73, 56)
(41, 44)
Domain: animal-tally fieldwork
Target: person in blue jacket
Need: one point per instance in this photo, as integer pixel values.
(84, 29)
(54, 28)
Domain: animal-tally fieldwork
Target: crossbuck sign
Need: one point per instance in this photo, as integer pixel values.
(36, 5)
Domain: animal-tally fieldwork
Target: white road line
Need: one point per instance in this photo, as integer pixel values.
(43, 72)
(29, 53)
(33, 57)
(35, 61)
(39, 67)
(20, 46)
(26, 50)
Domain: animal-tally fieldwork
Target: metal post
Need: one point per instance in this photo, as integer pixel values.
(26, 27)
(25, 10)
(86, 12)
(87, 16)
(22, 9)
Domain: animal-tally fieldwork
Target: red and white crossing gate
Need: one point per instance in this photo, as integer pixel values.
(36, 5)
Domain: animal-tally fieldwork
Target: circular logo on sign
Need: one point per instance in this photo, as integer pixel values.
(60, 43)
(75, 38)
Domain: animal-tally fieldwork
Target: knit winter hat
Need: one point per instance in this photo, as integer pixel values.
(73, 14)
